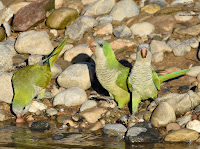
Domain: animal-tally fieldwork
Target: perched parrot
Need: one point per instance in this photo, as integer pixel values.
(31, 81)
(111, 74)
(144, 81)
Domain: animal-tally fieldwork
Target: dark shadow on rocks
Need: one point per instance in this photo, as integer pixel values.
(81, 58)
(198, 53)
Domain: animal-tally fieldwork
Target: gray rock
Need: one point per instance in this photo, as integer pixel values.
(175, 2)
(183, 16)
(142, 29)
(122, 31)
(52, 111)
(6, 94)
(163, 115)
(159, 46)
(56, 70)
(81, 52)
(184, 119)
(72, 96)
(9, 44)
(6, 62)
(124, 9)
(158, 57)
(34, 58)
(5, 15)
(114, 130)
(179, 48)
(76, 30)
(194, 71)
(161, 3)
(88, 104)
(61, 17)
(142, 132)
(193, 43)
(77, 75)
(192, 30)
(104, 19)
(34, 42)
(40, 126)
(98, 7)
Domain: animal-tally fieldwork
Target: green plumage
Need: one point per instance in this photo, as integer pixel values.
(32, 80)
(111, 74)
(144, 81)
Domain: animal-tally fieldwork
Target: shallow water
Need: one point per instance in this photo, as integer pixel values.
(13, 136)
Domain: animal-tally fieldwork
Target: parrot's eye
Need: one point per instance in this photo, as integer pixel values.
(101, 45)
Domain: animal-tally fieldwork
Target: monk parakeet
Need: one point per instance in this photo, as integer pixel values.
(31, 81)
(111, 74)
(144, 81)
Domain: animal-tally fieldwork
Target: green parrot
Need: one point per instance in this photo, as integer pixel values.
(111, 74)
(31, 81)
(144, 82)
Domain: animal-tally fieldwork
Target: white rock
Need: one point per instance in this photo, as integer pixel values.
(159, 46)
(194, 71)
(59, 3)
(122, 31)
(9, 44)
(193, 43)
(158, 57)
(98, 7)
(16, 6)
(55, 71)
(124, 9)
(76, 75)
(54, 32)
(183, 16)
(76, 30)
(65, 48)
(104, 19)
(194, 125)
(75, 51)
(6, 93)
(142, 29)
(52, 111)
(104, 29)
(88, 104)
(34, 42)
(6, 62)
(86, 2)
(35, 106)
(34, 58)
(175, 2)
(72, 96)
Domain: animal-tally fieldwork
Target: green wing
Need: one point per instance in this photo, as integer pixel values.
(122, 77)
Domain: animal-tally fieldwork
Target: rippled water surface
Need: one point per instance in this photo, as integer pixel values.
(22, 137)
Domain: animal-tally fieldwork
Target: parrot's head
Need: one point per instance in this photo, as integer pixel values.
(144, 52)
(101, 48)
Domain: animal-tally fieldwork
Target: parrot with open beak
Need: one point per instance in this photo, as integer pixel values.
(144, 81)
(31, 81)
(111, 74)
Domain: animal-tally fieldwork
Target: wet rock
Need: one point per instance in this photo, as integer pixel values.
(96, 126)
(6, 62)
(192, 30)
(32, 14)
(76, 30)
(6, 93)
(172, 126)
(88, 104)
(159, 46)
(77, 75)
(181, 2)
(124, 9)
(104, 29)
(163, 115)
(194, 125)
(40, 126)
(61, 17)
(161, 3)
(35, 106)
(98, 7)
(81, 52)
(114, 130)
(184, 119)
(158, 57)
(121, 43)
(17, 6)
(142, 132)
(142, 29)
(183, 16)
(151, 8)
(194, 71)
(57, 136)
(93, 114)
(61, 118)
(104, 19)
(34, 42)
(52, 111)
(179, 48)
(2, 115)
(124, 119)
(122, 31)
(182, 135)
(72, 96)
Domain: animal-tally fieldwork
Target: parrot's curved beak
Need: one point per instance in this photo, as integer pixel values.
(19, 118)
(92, 46)
(144, 52)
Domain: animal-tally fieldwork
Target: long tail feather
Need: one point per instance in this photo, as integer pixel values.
(173, 75)
(53, 57)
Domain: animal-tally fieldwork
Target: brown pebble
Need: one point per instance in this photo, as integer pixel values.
(30, 118)
(194, 117)
(172, 126)
(69, 122)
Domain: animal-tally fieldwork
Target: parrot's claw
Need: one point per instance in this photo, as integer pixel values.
(19, 118)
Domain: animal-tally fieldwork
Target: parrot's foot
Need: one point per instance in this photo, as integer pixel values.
(19, 118)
